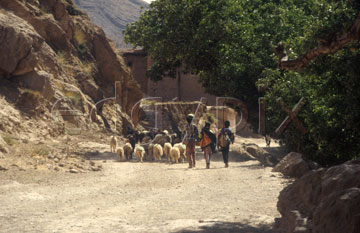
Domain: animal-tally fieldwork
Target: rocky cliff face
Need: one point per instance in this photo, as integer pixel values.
(58, 70)
(113, 15)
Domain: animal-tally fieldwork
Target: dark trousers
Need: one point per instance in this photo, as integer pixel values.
(225, 154)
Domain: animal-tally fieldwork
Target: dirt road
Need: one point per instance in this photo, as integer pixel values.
(142, 197)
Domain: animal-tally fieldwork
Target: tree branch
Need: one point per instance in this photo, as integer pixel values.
(329, 46)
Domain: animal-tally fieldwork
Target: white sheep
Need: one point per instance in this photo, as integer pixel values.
(139, 152)
(120, 153)
(113, 144)
(127, 150)
(182, 149)
(175, 154)
(157, 151)
(167, 148)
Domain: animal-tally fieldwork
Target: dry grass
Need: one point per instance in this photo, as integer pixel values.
(79, 36)
(62, 58)
(41, 151)
(32, 92)
(75, 97)
(88, 68)
(10, 140)
(34, 95)
(65, 61)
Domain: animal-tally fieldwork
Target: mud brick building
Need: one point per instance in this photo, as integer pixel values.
(185, 87)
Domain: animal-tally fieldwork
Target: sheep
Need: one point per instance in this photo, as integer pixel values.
(182, 149)
(139, 152)
(175, 154)
(167, 148)
(146, 139)
(162, 139)
(149, 151)
(120, 153)
(113, 144)
(127, 151)
(157, 151)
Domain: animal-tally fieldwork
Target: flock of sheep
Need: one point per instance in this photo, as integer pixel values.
(151, 148)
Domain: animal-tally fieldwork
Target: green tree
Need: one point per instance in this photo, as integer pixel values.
(227, 43)
(323, 68)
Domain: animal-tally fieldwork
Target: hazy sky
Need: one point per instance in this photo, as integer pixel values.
(148, 1)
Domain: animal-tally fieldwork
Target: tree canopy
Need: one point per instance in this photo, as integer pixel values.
(227, 43)
(293, 48)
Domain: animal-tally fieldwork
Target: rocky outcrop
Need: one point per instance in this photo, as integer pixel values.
(20, 45)
(38, 81)
(322, 201)
(239, 152)
(55, 65)
(294, 165)
(262, 155)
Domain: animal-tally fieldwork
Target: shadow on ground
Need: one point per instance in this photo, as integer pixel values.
(99, 155)
(229, 227)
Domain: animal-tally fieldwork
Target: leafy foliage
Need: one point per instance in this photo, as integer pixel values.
(332, 113)
(330, 84)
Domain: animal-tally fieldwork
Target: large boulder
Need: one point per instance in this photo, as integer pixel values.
(40, 17)
(322, 201)
(89, 87)
(38, 81)
(19, 45)
(293, 165)
(238, 153)
(262, 155)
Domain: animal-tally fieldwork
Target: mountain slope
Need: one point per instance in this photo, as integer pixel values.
(56, 70)
(113, 15)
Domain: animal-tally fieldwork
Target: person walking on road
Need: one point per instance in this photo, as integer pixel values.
(190, 139)
(225, 137)
(207, 143)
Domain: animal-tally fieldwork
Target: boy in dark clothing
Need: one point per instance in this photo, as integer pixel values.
(225, 149)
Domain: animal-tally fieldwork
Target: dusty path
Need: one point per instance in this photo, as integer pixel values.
(147, 197)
